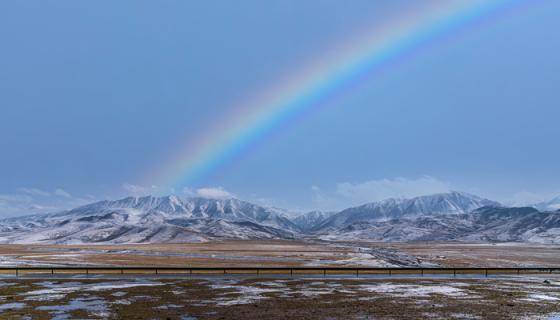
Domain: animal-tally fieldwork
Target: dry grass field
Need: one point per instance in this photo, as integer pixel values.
(481, 254)
(136, 296)
(285, 254)
(227, 253)
(182, 299)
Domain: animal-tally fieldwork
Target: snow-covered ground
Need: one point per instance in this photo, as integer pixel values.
(522, 297)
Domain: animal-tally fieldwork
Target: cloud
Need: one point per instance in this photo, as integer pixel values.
(62, 193)
(15, 198)
(206, 192)
(210, 192)
(375, 190)
(138, 191)
(526, 198)
(16, 204)
(36, 207)
(350, 194)
(34, 192)
(32, 200)
(326, 201)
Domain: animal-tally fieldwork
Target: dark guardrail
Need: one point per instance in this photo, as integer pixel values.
(276, 270)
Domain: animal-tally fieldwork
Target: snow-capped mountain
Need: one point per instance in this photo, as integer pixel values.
(444, 203)
(487, 224)
(450, 216)
(550, 205)
(308, 220)
(150, 219)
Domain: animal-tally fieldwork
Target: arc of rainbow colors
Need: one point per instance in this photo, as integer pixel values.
(252, 120)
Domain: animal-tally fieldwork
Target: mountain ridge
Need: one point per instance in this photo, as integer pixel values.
(441, 203)
(552, 204)
(445, 216)
(486, 224)
(142, 219)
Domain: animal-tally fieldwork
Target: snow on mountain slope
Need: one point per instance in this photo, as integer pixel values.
(444, 203)
(307, 221)
(439, 227)
(452, 216)
(150, 219)
(486, 224)
(551, 205)
(516, 224)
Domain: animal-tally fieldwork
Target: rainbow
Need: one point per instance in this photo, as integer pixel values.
(253, 120)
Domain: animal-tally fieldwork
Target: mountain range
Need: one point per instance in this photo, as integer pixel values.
(485, 224)
(443, 203)
(447, 216)
(550, 205)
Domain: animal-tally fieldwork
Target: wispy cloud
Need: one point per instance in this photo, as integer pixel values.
(15, 197)
(138, 190)
(34, 192)
(209, 192)
(349, 194)
(18, 204)
(526, 198)
(62, 193)
(26, 201)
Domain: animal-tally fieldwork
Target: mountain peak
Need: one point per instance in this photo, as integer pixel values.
(157, 219)
(551, 205)
(152, 219)
(442, 203)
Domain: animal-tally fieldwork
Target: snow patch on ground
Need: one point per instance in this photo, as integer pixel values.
(463, 316)
(273, 284)
(541, 297)
(46, 297)
(169, 306)
(414, 290)
(241, 294)
(58, 291)
(314, 292)
(122, 301)
(110, 286)
(12, 306)
(177, 292)
(248, 294)
(92, 305)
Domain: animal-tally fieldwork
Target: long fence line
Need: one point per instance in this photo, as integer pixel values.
(277, 270)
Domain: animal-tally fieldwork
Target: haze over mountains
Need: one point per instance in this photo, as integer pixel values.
(551, 205)
(448, 216)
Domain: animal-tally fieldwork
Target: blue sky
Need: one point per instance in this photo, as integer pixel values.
(94, 95)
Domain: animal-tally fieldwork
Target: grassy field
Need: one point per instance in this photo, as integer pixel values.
(285, 254)
(482, 255)
(520, 298)
(112, 296)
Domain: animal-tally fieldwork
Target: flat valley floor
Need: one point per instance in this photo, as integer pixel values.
(111, 296)
(286, 254)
